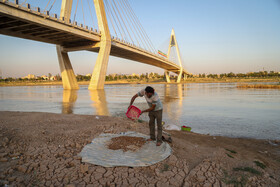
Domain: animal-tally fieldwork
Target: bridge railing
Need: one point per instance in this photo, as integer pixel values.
(46, 14)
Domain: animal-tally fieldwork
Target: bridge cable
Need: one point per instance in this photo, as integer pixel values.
(110, 17)
(52, 5)
(129, 24)
(143, 39)
(140, 26)
(112, 14)
(143, 30)
(46, 6)
(83, 13)
(144, 43)
(123, 33)
(90, 14)
(131, 12)
(123, 22)
(76, 11)
(23, 3)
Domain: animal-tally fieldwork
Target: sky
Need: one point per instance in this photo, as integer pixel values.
(214, 36)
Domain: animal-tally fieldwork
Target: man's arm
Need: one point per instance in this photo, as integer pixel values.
(132, 99)
(149, 109)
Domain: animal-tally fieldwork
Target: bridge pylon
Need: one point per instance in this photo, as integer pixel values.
(173, 43)
(69, 80)
(99, 73)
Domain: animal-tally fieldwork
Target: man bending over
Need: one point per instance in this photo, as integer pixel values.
(155, 112)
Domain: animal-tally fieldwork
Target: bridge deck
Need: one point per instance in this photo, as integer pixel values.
(25, 23)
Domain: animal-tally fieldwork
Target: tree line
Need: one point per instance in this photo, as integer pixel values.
(154, 76)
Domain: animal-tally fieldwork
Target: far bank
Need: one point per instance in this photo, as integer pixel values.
(136, 81)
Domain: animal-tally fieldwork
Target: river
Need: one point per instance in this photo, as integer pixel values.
(209, 108)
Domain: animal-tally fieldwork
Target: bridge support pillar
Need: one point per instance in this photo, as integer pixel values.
(99, 73)
(98, 76)
(167, 76)
(180, 76)
(69, 80)
(185, 77)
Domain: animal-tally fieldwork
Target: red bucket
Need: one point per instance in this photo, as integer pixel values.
(133, 112)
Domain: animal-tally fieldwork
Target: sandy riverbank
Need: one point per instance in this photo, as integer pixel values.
(40, 149)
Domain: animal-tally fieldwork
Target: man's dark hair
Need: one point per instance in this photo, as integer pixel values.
(149, 89)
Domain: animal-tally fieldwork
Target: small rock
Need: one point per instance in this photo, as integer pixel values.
(100, 170)
(207, 184)
(19, 179)
(108, 173)
(11, 179)
(201, 178)
(77, 158)
(3, 160)
(3, 155)
(5, 140)
(70, 185)
(216, 184)
(84, 168)
(172, 159)
(22, 168)
(98, 176)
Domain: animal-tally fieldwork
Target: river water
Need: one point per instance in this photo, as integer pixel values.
(209, 108)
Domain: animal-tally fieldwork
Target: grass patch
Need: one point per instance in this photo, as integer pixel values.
(235, 180)
(259, 164)
(229, 155)
(265, 86)
(232, 151)
(140, 121)
(247, 169)
(165, 167)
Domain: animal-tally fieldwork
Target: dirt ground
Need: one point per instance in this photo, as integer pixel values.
(41, 149)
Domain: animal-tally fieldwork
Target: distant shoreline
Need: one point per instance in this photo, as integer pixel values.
(190, 80)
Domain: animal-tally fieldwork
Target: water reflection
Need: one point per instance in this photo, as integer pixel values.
(68, 101)
(99, 102)
(172, 94)
(209, 108)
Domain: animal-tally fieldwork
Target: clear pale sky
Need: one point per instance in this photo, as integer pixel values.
(214, 36)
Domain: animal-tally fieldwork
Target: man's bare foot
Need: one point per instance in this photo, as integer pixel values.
(159, 143)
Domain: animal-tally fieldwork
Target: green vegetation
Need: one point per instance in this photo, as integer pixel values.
(261, 76)
(232, 151)
(140, 121)
(259, 86)
(238, 177)
(259, 164)
(235, 180)
(247, 169)
(229, 155)
(165, 167)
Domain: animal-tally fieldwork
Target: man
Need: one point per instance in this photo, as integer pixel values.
(155, 112)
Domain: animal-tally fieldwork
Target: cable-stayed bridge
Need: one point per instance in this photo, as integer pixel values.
(20, 19)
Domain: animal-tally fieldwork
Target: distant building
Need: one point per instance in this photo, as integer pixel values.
(53, 78)
(88, 75)
(45, 77)
(29, 76)
(135, 75)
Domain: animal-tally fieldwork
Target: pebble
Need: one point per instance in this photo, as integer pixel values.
(3, 160)
(22, 168)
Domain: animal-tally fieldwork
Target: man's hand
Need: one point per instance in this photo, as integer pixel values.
(132, 99)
